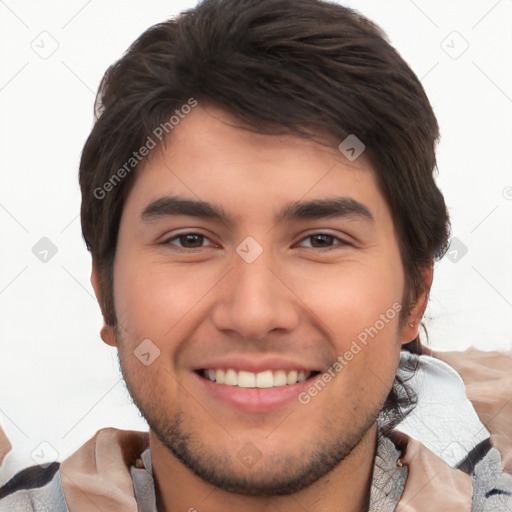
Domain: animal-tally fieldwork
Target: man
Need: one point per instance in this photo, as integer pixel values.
(259, 202)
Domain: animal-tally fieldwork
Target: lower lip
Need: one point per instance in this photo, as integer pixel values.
(255, 399)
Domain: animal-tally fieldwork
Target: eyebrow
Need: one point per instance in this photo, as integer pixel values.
(314, 209)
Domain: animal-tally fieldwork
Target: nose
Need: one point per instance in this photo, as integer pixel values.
(255, 300)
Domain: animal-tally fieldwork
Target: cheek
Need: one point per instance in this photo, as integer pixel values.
(154, 298)
(353, 297)
(359, 308)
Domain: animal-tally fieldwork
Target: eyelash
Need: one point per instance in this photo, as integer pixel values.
(340, 241)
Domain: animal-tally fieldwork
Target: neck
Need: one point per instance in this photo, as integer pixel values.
(346, 488)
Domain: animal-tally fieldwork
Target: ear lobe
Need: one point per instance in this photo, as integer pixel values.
(107, 332)
(410, 330)
(108, 335)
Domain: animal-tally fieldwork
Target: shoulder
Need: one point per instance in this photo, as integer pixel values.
(492, 488)
(34, 489)
(446, 422)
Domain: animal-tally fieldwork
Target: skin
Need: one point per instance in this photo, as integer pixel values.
(299, 300)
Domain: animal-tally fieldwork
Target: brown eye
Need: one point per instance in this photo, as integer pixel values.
(321, 240)
(191, 241)
(188, 241)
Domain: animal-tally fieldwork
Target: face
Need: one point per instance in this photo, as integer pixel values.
(257, 285)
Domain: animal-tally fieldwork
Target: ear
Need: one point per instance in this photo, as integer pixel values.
(410, 330)
(107, 332)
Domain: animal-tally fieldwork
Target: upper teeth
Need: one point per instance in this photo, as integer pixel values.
(266, 379)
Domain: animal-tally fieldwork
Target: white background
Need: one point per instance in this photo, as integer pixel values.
(58, 382)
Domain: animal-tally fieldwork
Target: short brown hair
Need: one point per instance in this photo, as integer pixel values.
(277, 66)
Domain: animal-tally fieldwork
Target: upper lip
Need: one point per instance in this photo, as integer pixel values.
(255, 364)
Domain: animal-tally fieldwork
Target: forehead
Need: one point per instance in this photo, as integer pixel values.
(209, 156)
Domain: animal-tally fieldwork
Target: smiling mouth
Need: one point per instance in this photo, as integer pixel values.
(261, 380)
